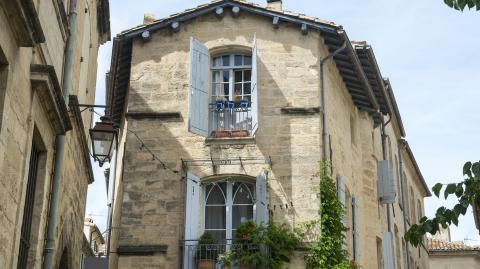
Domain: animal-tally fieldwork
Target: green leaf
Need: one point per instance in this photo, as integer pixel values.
(470, 3)
(437, 188)
(423, 219)
(476, 168)
(450, 189)
(467, 169)
(462, 4)
(459, 209)
(448, 2)
(459, 190)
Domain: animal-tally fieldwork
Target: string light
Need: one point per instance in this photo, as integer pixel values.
(154, 157)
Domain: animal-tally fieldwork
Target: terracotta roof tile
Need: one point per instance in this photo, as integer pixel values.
(438, 245)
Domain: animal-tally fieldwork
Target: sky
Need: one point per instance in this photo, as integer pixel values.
(429, 52)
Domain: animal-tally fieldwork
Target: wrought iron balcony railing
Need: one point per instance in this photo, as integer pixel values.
(201, 256)
(230, 119)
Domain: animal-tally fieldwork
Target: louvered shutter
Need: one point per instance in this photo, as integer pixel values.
(191, 219)
(342, 198)
(261, 202)
(198, 89)
(387, 248)
(254, 86)
(386, 183)
(356, 229)
(192, 207)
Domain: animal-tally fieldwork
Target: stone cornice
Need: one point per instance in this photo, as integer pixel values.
(24, 22)
(45, 83)
(77, 116)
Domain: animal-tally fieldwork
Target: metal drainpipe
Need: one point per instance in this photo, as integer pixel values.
(401, 146)
(60, 143)
(111, 204)
(324, 101)
(384, 152)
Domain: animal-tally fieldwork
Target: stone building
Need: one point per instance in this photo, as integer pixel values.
(94, 237)
(220, 112)
(36, 110)
(452, 255)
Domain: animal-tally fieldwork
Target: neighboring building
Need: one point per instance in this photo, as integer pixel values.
(452, 255)
(170, 87)
(33, 114)
(94, 237)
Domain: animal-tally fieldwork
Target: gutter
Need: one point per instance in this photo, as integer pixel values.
(395, 107)
(60, 144)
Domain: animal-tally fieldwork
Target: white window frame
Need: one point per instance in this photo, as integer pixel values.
(229, 198)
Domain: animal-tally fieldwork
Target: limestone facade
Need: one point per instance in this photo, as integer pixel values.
(151, 204)
(33, 112)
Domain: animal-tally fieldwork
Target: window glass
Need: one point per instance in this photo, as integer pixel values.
(247, 60)
(238, 60)
(239, 196)
(226, 60)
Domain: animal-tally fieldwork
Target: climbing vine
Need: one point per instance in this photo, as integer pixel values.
(327, 252)
(467, 193)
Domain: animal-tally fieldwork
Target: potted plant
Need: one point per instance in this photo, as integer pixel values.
(227, 259)
(206, 251)
(270, 245)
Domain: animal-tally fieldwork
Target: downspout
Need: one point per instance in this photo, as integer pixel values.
(324, 98)
(401, 146)
(385, 157)
(111, 204)
(60, 142)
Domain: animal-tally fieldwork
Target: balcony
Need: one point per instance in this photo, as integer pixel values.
(230, 119)
(197, 256)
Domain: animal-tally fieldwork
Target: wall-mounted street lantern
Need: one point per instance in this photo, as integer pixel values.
(104, 139)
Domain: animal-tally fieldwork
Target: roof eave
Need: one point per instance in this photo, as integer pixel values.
(417, 168)
(396, 111)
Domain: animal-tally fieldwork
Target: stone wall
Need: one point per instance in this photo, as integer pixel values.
(26, 117)
(152, 199)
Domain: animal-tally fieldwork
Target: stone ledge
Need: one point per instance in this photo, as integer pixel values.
(174, 116)
(300, 110)
(230, 141)
(142, 250)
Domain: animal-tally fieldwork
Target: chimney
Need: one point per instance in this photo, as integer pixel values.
(274, 5)
(148, 18)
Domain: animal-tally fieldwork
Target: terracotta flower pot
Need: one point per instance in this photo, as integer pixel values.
(220, 134)
(206, 264)
(240, 133)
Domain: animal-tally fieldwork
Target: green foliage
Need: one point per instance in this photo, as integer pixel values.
(280, 241)
(467, 193)
(462, 4)
(327, 251)
(204, 249)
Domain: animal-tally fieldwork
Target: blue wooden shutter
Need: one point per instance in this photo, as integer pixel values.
(192, 207)
(191, 220)
(356, 229)
(198, 89)
(342, 198)
(254, 86)
(387, 249)
(261, 202)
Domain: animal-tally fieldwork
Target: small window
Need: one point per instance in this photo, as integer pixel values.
(353, 131)
(379, 253)
(231, 95)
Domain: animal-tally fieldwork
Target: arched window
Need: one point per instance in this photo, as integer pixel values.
(227, 206)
